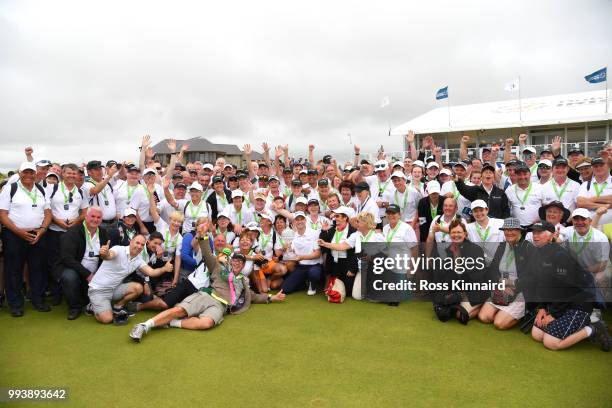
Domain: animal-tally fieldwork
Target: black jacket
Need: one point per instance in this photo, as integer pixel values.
(424, 212)
(212, 202)
(497, 201)
(526, 260)
(72, 249)
(343, 265)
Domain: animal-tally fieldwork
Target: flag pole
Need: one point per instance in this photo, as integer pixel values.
(448, 104)
(606, 89)
(520, 102)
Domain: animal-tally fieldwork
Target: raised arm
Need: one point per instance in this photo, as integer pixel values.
(144, 145)
(357, 153)
(247, 158)
(101, 185)
(463, 148)
(286, 152)
(411, 147)
(508, 149)
(311, 160)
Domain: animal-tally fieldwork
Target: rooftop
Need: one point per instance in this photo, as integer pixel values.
(201, 144)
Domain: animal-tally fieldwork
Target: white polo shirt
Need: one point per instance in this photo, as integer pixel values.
(406, 201)
(463, 204)
(61, 205)
(356, 239)
(112, 272)
(192, 213)
(92, 252)
(267, 246)
(401, 233)
(378, 189)
(525, 207)
(25, 210)
(172, 243)
(488, 237)
(443, 236)
(242, 217)
(306, 244)
(369, 205)
(316, 225)
(144, 204)
(591, 248)
(597, 190)
(105, 199)
(128, 196)
(566, 193)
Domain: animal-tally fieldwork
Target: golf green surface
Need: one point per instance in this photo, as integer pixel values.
(303, 353)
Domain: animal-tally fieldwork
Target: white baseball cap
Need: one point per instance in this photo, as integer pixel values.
(418, 163)
(237, 193)
(343, 210)
(545, 162)
(529, 149)
(446, 171)
(149, 170)
(399, 174)
(208, 166)
(129, 211)
(479, 204)
(433, 187)
(27, 166)
(433, 164)
(299, 214)
(304, 171)
(581, 212)
(267, 217)
(196, 186)
(398, 163)
(301, 200)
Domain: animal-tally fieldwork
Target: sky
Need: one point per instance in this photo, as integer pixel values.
(83, 80)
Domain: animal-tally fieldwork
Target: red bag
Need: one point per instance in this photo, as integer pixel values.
(335, 291)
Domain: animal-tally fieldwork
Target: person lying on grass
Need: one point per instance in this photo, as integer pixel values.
(201, 311)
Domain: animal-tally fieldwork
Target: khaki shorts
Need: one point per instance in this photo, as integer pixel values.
(101, 299)
(201, 304)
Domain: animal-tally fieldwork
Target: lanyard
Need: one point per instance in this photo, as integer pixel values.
(224, 233)
(509, 258)
(88, 237)
(194, 214)
(222, 198)
(130, 234)
(314, 225)
(598, 191)
(579, 248)
(145, 254)
(173, 242)
(239, 214)
(486, 234)
(338, 235)
(405, 199)
(558, 193)
(264, 241)
(525, 197)
(362, 206)
(146, 189)
(130, 191)
(455, 192)
(383, 188)
(534, 168)
(393, 231)
(443, 223)
(433, 211)
(33, 195)
(103, 192)
(367, 237)
(62, 187)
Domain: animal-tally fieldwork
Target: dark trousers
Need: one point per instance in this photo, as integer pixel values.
(75, 288)
(150, 225)
(302, 274)
(53, 253)
(18, 252)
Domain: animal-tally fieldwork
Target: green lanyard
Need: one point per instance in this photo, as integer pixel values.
(383, 188)
(534, 168)
(130, 234)
(525, 197)
(146, 189)
(33, 195)
(194, 214)
(558, 193)
(103, 192)
(443, 223)
(509, 258)
(224, 233)
(405, 199)
(247, 201)
(598, 191)
(145, 254)
(287, 191)
(88, 238)
(223, 199)
(314, 225)
(264, 241)
(338, 235)
(257, 217)
(579, 248)
(62, 187)
(393, 231)
(173, 242)
(367, 237)
(455, 192)
(433, 211)
(486, 234)
(130, 191)
(239, 214)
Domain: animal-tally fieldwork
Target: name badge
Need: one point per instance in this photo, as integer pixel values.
(34, 205)
(91, 254)
(193, 225)
(66, 207)
(105, 202)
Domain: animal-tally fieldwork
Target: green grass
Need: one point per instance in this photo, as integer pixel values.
(305, 352)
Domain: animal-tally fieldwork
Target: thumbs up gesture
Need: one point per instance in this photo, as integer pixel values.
(168, 267)
(105, 250)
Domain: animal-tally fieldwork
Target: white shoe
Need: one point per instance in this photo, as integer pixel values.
(595, 315)
(311, 291)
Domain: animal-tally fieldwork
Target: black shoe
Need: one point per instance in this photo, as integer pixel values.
(57, 300)
(88, 310)
(17, 312)
(43, 307)
(600, 335)
(464, 316)
(393, 304)
(73, 314)
(1, 300)
(120, 317)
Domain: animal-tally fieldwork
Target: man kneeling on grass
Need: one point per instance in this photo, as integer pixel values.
(106, 285)
(201, 311)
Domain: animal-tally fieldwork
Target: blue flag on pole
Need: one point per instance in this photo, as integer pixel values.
(597, 76)
(442, 93)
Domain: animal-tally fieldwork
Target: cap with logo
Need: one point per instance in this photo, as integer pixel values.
(433, 187)
(217, 179)
(545, 163)
(129, 211)
(433, 164)
(478, 204)
(149, 170)
(581, 212)
(27, 166)
(237, 193)
(196, 186)
(299, 214)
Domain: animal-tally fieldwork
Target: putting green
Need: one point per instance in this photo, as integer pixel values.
(305, 352)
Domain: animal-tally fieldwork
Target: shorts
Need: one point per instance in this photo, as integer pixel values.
(516, 308)
(201, 304)
(180, 292)
(101, 299)
(569, 323)
(266, 269)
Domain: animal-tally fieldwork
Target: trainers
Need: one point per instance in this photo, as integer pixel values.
(120, 317)
(88, 310)
(600, 335)
(311, 291)
(138, 331)
(131, 308)
(595, 315)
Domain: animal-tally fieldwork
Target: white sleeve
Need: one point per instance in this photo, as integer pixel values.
(5, 198)
(352, 239)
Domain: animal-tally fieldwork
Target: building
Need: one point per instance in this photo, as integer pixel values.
(579, 118)
(201, 149)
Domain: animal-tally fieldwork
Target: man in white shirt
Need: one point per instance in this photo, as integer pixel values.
(25, 215)
(529, 156)
(598, 191)
(106, 285)
(380, 183)
(99, 192)
(308, 255)
(560, 187)
(404, 197)
(485, 231)
(365, 202)
(525, 197)
(238, 214)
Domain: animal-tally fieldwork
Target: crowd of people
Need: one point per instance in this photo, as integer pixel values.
(198, 241)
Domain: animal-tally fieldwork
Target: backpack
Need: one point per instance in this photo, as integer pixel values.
(14, 189)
